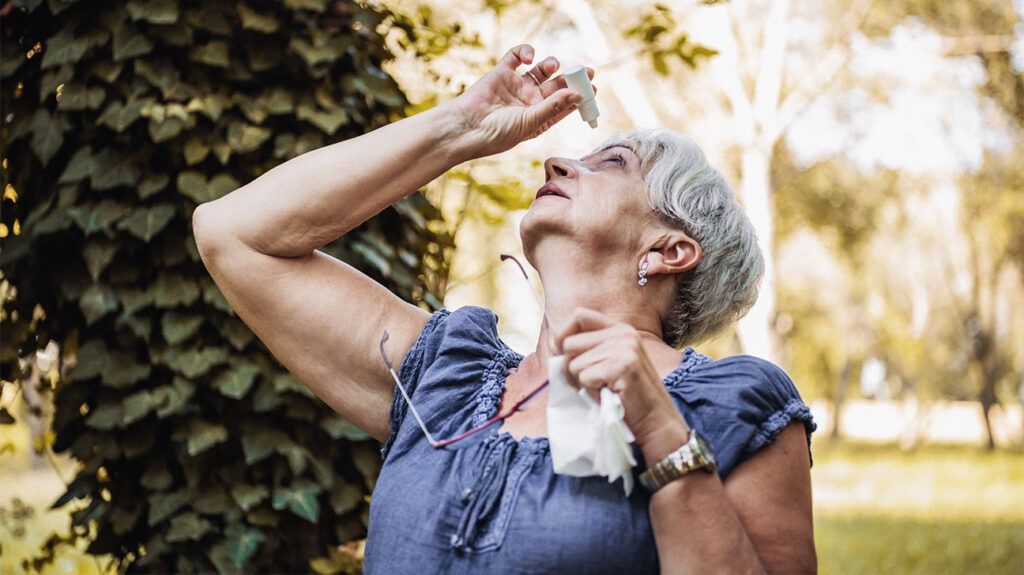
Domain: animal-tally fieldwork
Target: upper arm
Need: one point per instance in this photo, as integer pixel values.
(322, 319)
(771, 493)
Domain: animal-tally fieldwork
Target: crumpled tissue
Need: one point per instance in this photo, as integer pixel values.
(586, 437)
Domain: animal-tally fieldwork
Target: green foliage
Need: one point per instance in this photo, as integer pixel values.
(199, 452)
(662, 40)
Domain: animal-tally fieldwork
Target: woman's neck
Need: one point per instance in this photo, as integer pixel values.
(605, 287)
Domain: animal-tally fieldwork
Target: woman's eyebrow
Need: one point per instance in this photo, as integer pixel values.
(606, 148)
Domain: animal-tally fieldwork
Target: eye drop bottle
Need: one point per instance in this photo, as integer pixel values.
(577, 79)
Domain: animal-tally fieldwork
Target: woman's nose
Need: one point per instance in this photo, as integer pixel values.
(558, 167)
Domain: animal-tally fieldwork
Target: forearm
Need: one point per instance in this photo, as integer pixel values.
(696, 529)
(313, 199)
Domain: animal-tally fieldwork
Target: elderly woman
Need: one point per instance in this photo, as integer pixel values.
(641, 249)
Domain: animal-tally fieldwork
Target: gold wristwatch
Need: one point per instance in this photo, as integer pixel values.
(696, 453)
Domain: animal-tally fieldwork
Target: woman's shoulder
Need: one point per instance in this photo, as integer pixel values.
(741, 402)
(466, 326)
(737, 374)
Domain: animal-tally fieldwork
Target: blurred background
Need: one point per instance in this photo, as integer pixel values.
(876, 145)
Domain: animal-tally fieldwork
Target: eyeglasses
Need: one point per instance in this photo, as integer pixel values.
(477, 434)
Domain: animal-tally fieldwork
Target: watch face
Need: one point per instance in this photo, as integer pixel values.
(705, 447)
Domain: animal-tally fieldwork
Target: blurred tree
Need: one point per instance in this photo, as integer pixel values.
(993, 223)
(199, 452)
(845, 206)
(982, 29)
(768, 76)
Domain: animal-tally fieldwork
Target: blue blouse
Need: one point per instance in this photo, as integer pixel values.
(498, 507)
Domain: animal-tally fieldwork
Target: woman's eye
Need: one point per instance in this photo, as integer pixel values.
(617, 159)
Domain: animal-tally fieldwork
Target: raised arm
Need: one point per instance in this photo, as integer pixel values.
(320, 317)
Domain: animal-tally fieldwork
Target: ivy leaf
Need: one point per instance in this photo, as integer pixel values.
(313, 5)
(188, 527)
(345, 497)
(245, 138)
(214, 53)
(314, 54)
(300, 498)
(236, 381)
(221, 185)
(76, 96)
(238, 334)
(152, 184)
(118, 115)
(137, 405)
(92, 218)
(163, 505)
(121, 371)
(258, 443)
(193, 362)
(156, 477)
(78, 167)
(154, 11)
(98, 255)
(253, 20)
(195, 150)
(97, 301)
(338, 427)
(178, 327)
(248, 496)
(63, 48)
(200, 435)
(165, 130)
(135, 299)
(47, 135)
(130, 43)
(105, 416)
(329, 122)
(285, 381)
(193, 185)
(144, 223)
(243, 542)
(171, 290)
(111, 170)
(173, 398)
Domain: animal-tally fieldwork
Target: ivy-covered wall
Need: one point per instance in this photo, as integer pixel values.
(199, 451)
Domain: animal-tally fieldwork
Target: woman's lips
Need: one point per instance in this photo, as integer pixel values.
(549, 189)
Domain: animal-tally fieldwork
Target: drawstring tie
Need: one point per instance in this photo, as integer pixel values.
(483, 495)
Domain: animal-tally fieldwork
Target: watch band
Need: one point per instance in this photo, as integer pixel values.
(695, 454)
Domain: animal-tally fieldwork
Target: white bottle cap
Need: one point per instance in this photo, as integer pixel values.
(577, 79)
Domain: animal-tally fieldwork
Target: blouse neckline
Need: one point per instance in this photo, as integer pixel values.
(505, 359)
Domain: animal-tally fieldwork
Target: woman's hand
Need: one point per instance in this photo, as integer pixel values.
(602, 352)
(504, 107)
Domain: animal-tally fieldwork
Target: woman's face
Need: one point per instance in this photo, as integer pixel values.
(601, 202)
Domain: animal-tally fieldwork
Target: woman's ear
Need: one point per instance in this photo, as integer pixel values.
(675, 252)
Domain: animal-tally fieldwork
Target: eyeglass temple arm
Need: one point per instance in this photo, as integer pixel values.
(401, 388)
(536, 297)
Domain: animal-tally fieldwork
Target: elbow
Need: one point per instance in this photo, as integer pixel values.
(204, 233)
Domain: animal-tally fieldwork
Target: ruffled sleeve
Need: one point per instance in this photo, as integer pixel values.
(739, 403)
(442, 369)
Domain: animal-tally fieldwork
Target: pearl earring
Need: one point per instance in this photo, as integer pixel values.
(643, 273)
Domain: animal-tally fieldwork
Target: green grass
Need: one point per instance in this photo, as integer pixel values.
(937, 509)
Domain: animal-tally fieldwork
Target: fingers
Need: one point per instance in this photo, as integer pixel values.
(579, 343)
(553, 108)
(521, 54)
(583, 319)
(555, 84)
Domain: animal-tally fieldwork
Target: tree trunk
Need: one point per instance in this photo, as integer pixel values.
(842, 383)
(756, 328)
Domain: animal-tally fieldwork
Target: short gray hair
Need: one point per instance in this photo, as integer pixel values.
(691, 195)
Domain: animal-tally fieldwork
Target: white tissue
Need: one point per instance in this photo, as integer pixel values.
(586, 437)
